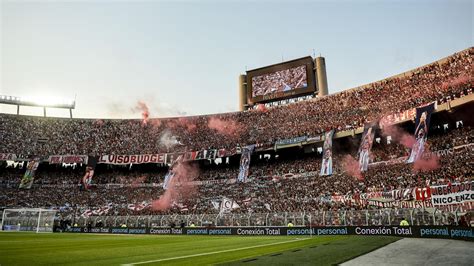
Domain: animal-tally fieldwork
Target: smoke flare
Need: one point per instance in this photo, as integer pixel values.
(224, 127)
(352, 167)
(180, 187)
(142, 107)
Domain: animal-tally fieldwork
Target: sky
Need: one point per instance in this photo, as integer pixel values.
(184, 57)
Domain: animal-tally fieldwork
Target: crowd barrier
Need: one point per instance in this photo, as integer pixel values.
(446, 232)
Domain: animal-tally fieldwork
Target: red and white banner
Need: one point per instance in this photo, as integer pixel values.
(422, 194)
(132, 159)
(55, 159)
(452, 194)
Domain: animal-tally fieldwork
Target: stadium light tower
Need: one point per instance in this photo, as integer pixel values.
(45, 102)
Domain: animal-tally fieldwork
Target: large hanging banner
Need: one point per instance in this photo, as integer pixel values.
(366, 146)
(245, 163)
(29, 177)
(171, 172)
(422, 122)
(90, 168)
(326, 166)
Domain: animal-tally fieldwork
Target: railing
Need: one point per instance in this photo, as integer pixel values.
(429, 216)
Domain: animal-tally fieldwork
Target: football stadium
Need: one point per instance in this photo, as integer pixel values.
(297, 172)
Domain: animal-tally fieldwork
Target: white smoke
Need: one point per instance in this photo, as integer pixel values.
(168, 140)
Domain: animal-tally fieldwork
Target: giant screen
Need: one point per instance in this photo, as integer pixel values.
(285, 80)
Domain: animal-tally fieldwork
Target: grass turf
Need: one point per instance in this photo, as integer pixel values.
(89, 249)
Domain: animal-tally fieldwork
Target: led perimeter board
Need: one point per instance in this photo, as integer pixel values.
(281, 81)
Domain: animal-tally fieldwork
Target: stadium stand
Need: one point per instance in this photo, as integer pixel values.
(280, 180)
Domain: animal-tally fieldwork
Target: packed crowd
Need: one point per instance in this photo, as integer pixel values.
(285, 183)
(439, 81)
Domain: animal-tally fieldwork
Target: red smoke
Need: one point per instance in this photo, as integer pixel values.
(261, 108)
(461, 80)
(187, 123)
(223, 127)
(182, 122)
(142, 107)
(427, 162)
(424, 163)
(398, 135)
(155, 122)
(179, 188)
(99, 122)
(138, 181)
(352, 167)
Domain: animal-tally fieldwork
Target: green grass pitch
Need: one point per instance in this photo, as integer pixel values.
(90, 249)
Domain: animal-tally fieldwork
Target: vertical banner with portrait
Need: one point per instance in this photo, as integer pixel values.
(245, 163)
(171, 172)
(90, 168)
(29, 176)
(422, 124)
(326, 166)
(365, 146)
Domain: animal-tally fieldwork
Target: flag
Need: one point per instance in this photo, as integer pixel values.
(227, 205)
(267, 206)
(138, 206)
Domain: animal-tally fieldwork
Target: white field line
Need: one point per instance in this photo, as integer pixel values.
(214, 252)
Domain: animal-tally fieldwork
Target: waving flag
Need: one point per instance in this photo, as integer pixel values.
(227, 205)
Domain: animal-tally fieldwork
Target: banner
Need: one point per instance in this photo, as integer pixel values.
(422, 194)
(452, 194)
(13, 157)
(366, 146)
(446, 232)
(132, 159)
(422, 124)
(28, 178)
(56, 159)
(169, 176)
(326, 166)
(245, 163)
(90, 168)
(285, 142)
